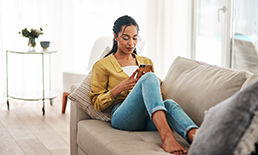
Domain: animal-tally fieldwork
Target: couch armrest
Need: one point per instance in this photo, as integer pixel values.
(76, 115)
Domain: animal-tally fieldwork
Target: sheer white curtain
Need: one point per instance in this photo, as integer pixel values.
(168, 32)
(2, 62)
(74, 25)
(16, 15)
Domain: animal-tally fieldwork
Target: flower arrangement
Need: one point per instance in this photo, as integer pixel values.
(32, 35)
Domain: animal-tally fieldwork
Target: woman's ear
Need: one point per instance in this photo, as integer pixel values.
(115, 36)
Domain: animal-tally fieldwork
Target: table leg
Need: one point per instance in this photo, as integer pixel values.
(43, 108)
(51, 102)
(8, 104)
(7, 90)
(43, 83)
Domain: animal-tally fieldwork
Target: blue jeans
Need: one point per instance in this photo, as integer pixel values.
(135, 112)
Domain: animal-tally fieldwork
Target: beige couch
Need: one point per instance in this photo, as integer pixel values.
(195, 86)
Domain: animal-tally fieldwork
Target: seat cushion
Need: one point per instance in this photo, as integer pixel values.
(230, 127)
(97, 137)
(197, 86)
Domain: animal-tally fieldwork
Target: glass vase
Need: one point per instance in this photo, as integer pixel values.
(32, 44)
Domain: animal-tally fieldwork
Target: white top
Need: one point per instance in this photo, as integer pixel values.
(129, 69)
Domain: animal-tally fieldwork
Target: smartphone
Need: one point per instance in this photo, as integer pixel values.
(145, 68)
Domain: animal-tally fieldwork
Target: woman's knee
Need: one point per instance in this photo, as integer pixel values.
(151, 77)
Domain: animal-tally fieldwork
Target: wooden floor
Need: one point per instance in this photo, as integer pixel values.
(25, 131)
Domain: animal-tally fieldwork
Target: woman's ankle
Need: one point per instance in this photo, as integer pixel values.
(165, 135)
(191, 134)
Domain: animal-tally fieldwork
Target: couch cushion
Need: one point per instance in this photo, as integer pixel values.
(197, 86)
(98, 137)
(230, 127)
(81, 96)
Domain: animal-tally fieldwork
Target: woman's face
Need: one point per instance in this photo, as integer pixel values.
(127, 39)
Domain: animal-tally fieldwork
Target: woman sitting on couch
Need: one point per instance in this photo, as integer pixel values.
(136, 103)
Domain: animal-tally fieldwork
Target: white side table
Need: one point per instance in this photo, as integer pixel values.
(32, 95)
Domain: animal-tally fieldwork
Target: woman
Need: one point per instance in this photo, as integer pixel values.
(136, 104)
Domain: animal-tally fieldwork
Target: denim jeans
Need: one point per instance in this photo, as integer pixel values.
(135, 112)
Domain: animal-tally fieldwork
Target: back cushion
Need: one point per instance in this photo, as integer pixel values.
(197, 86)
(250, 80)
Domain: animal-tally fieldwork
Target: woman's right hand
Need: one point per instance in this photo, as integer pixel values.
(127, 84)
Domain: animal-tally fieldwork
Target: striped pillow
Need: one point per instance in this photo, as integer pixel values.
(81, 96)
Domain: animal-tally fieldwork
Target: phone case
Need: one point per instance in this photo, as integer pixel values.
(143, 68)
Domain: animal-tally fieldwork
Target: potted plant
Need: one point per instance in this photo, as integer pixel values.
(32, 34)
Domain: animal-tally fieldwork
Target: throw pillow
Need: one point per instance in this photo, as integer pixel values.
(81, 96)
(230, 127)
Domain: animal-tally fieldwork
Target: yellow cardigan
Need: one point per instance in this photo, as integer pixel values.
(106, 74)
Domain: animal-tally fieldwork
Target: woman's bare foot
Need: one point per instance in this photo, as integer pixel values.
(170, 145)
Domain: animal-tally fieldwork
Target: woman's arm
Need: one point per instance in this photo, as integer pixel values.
(100, 95)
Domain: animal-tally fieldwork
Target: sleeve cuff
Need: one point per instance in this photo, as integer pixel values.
(111, 95)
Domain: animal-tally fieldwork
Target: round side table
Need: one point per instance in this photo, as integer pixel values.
(34, 95)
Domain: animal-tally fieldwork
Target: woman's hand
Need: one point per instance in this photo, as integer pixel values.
(127, 84)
